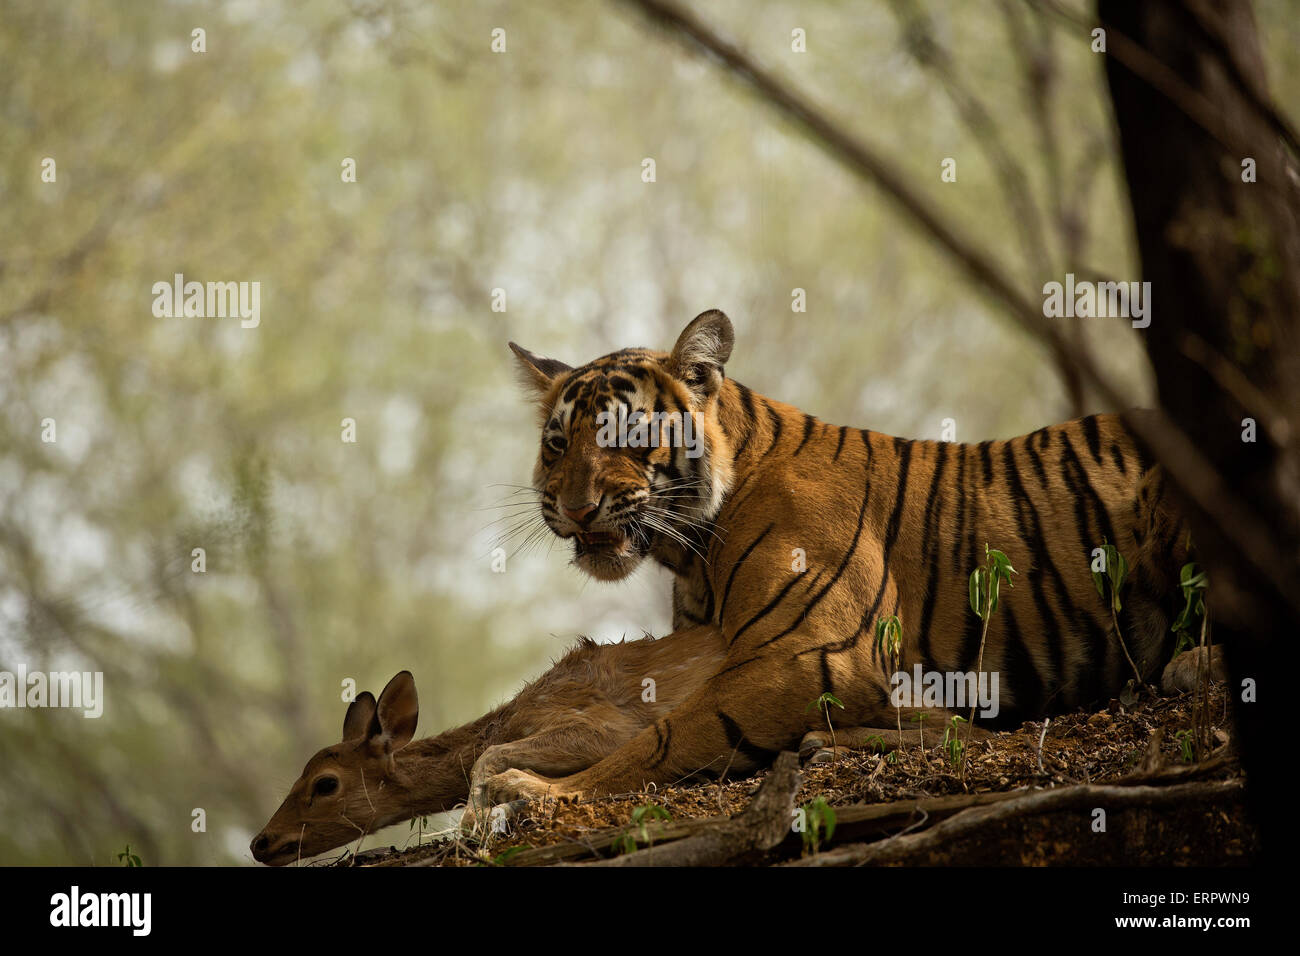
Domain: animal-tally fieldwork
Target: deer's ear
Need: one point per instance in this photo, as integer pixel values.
(701, 350)
(396, 714)
(360, 713)
(537, 373)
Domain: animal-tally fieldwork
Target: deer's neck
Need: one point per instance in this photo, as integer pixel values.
(433, 772)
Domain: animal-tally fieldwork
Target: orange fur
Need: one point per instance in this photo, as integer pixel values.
(886, 526)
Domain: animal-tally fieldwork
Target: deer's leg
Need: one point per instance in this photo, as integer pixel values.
(749, 712)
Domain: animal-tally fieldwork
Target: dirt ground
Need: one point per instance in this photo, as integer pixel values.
(1079, 748)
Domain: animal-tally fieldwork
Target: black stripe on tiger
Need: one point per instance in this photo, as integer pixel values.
(1019, 674)
(751, 418)
(1093, 632)
(1094, 528)
(962, 498)
(808, 423)
(930, 554)
(1118, 457)
(1030, 530)
(775, 420)
(891, 532)
(735, 568)
(811, 606)
(739, 743)
(974, 625)
(663, 740)
(986, 458)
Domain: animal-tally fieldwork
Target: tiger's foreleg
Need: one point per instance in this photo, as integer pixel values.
(555, 752)
(930, 725)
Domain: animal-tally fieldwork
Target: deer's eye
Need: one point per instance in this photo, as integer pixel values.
(325, 786)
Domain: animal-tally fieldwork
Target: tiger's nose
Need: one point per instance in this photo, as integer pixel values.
(582, 513)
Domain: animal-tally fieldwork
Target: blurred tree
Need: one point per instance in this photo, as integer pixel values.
(475, 171)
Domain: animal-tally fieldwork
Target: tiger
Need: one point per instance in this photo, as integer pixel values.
(794, 537)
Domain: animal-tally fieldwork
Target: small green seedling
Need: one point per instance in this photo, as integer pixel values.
(1114, 569)
(985, 585)
(920, 728)
(952, 741)
(824, 702)
(889, 640)
(128, 858)
(420, 823)
(1193, 582)
(820, 823)
(1195, 616)
(502, 858)
(637, 832)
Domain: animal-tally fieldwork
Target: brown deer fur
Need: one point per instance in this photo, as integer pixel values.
(591, 702)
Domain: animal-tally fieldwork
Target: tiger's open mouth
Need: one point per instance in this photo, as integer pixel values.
(605, 555)
(600, 542)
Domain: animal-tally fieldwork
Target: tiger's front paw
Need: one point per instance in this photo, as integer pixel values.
(1180, 674)
(511, 785)
(813, 742)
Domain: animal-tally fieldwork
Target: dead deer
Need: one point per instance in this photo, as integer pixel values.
(593, 701)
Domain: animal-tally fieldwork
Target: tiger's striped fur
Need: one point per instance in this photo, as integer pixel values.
(888, 527)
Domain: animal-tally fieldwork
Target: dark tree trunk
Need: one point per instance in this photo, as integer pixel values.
(1223, 258)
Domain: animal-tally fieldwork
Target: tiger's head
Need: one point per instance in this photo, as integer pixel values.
(632, 457)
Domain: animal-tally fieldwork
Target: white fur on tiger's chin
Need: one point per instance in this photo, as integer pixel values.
(607, 563)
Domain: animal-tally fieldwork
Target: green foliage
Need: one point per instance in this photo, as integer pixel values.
(1116, 569)
(128, 858)
(1186, 744)
(1188, 623)
(819, 823)
(504, 857)
(824, 702)
(889, 636)
(637, 832)
(986, 581)
(952, 742)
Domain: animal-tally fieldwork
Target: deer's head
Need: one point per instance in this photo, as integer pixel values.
(351, 788)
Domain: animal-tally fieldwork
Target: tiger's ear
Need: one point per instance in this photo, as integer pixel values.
(701, 350)
(535, 372)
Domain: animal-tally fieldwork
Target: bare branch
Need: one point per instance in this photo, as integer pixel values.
(1190, 469)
